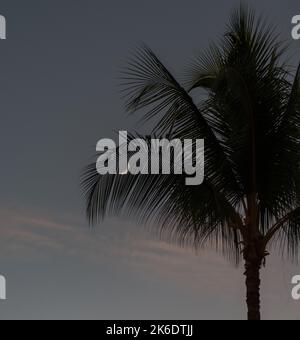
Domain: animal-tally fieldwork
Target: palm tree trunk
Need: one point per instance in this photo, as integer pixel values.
(253, 267)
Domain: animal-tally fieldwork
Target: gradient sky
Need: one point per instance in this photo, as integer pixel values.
(58, 97)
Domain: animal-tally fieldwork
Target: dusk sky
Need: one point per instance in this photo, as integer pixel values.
(59, 95)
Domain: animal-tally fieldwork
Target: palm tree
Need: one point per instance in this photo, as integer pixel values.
(249, 117)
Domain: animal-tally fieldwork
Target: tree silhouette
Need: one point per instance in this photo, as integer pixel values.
(249, 117)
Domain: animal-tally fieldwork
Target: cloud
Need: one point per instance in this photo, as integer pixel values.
(36, 236)
(129, 253)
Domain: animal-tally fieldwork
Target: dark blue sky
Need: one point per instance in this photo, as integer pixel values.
(58, 97)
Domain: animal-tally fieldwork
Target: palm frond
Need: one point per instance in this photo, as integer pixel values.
(181, 213)
(249, 119)
(148, 84)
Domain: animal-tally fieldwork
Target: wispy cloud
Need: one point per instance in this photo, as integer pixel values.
(35, 233)
(34, 238)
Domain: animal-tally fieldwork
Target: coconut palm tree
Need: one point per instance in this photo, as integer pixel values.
(249, 116)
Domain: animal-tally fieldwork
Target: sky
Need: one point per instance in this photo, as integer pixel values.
(59, 95)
